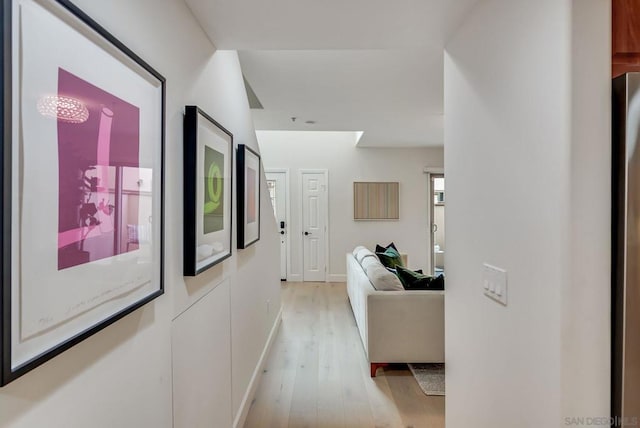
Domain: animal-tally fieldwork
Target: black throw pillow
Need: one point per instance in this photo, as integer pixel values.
(437, 283)
(381, 249)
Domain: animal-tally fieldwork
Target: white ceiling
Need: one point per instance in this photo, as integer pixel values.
(352, 65)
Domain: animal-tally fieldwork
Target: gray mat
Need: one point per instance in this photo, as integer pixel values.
(430, 377)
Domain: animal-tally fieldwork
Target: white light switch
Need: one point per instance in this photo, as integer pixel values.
(494, 283)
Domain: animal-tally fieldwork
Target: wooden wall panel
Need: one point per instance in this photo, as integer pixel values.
(625, 36)
(376, 201)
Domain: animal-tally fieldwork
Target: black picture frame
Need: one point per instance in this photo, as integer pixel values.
(21, 353)
(248, 196)
(196, 148)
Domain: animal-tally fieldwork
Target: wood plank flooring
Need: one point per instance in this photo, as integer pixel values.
(317, 376)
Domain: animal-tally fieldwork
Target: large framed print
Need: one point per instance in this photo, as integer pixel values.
(248, 196)
(82, 181)
(208, 175)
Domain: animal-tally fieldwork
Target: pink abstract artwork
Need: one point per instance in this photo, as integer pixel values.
(251, 195)
(93, 209)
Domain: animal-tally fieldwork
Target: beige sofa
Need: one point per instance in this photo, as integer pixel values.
(396, 326)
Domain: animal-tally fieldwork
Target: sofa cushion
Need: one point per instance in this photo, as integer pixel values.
(414, 280)
(382, 279)
(390, 258)
(381, 249)
(369, 257)
(368, 261)
(360, 255)
(358, 248)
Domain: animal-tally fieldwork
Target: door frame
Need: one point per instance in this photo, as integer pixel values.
(429, 172)
(301, 172)
(287, 204)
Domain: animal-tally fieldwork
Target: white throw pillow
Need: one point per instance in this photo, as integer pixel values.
(358, 248)
(360, 255)
(368, 261)
(382, 279)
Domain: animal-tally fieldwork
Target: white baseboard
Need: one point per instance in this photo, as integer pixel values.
(245, 405)
(331, 277)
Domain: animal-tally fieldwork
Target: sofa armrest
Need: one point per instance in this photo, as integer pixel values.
(405, 326)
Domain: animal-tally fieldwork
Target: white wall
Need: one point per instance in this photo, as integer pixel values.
(125, 376)
(337, 152)
(586, 313)
(527, 110)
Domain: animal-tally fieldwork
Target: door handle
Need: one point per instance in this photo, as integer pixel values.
(307, 234)
(282, 232)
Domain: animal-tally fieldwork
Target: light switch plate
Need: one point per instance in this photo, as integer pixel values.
(494, 283)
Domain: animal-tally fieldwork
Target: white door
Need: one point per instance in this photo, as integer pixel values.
(277, 184)
(314, 222)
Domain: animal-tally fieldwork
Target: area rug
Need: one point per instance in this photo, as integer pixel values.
(430, 377)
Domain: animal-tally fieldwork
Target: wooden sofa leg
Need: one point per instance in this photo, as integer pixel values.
(375, 367)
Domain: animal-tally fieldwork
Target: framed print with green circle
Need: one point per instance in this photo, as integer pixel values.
(208, 152)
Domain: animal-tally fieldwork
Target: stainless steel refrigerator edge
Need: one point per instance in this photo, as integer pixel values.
(625, 392)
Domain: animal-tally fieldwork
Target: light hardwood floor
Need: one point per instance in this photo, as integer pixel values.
(317, 376)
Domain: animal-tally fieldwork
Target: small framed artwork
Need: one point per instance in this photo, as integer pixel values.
(81, 179)
(208, 172)
(376, 201)
(248, 171)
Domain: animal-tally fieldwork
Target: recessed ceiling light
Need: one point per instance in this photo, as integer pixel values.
(310, 122)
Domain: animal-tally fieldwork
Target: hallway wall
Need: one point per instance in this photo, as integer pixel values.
(204, 337)
(527, 117)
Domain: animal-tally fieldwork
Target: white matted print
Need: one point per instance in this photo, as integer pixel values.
(86, 149)
(208, 172)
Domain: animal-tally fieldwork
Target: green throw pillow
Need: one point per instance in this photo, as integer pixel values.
(390, 258)
(413, 280)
